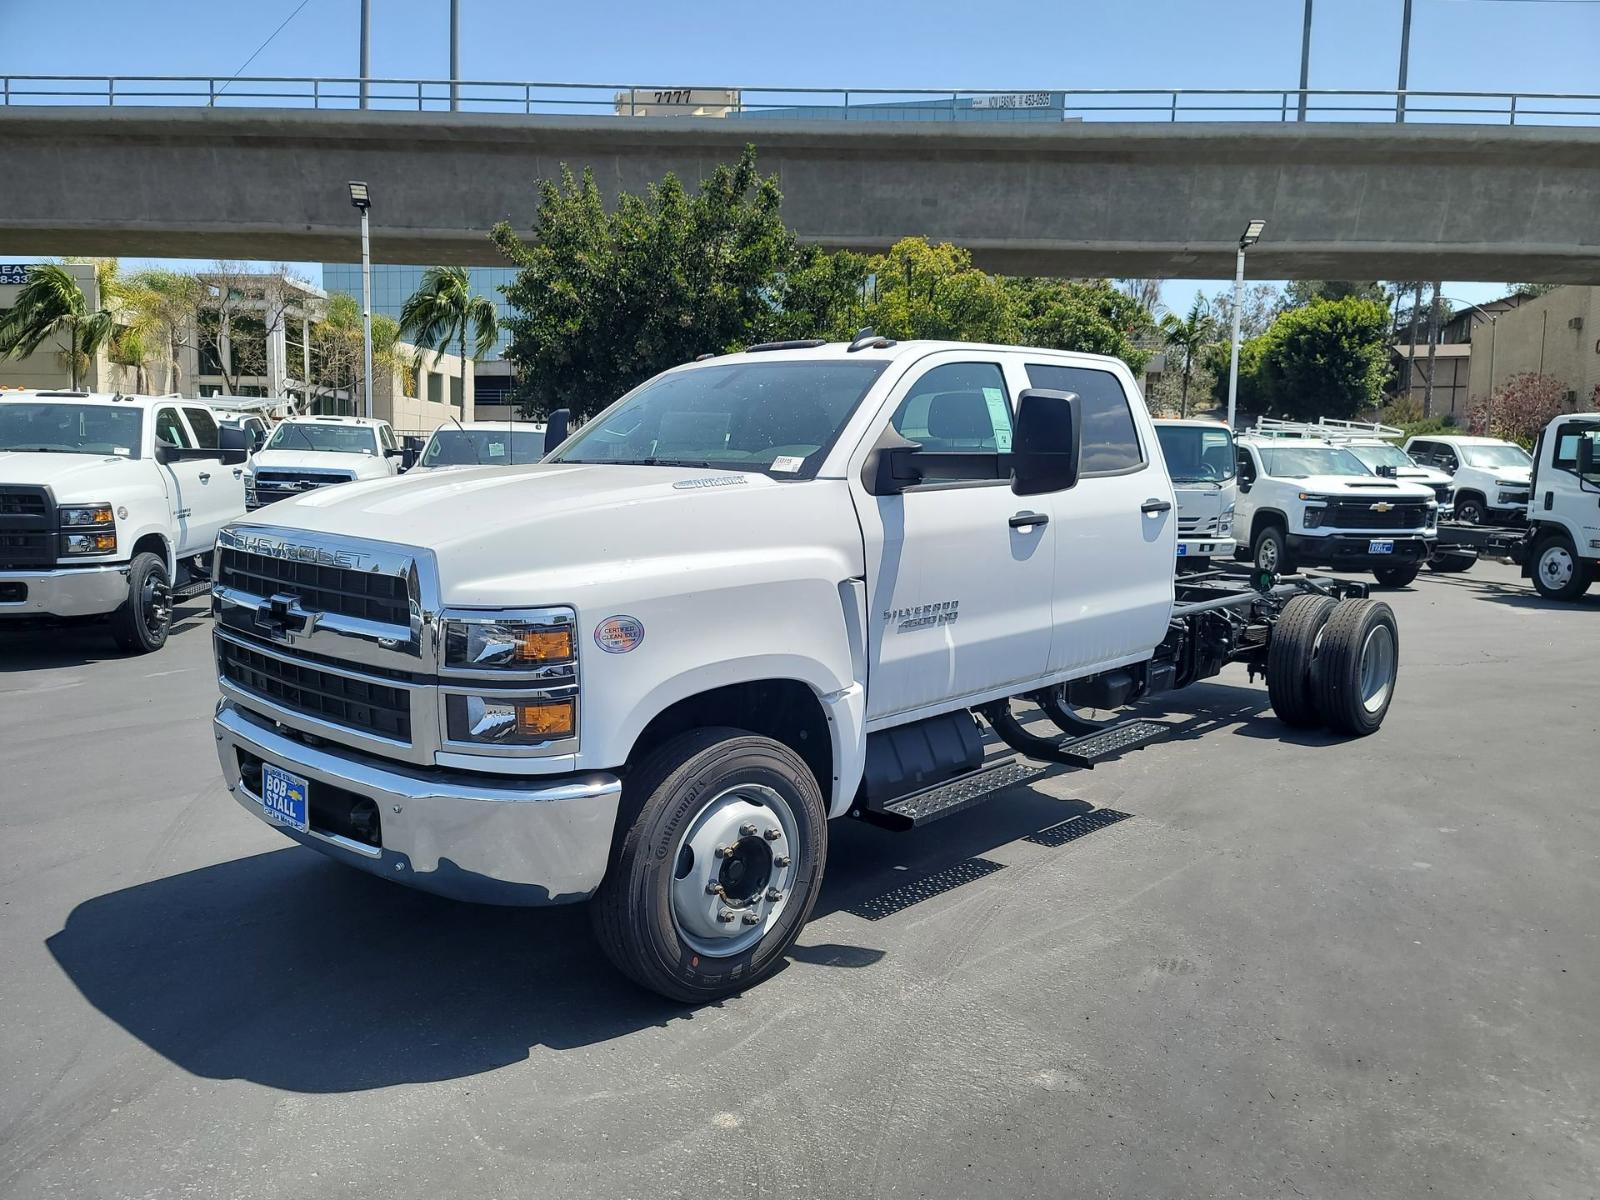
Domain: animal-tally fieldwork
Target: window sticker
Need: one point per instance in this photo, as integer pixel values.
(787, 463)
(999, 417)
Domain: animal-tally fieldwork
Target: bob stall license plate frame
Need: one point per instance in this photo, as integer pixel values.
(1380, 546)
(285, 798)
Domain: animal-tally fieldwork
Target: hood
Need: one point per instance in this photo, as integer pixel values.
(1510, 474)
(1361, 487)
(1423, 474)
(315, 460)
(70, 476)
(498, 532)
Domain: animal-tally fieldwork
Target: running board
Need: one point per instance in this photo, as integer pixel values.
(916, 809)
(1081, 752)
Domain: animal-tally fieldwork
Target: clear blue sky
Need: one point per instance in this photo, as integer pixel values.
(1007, 45)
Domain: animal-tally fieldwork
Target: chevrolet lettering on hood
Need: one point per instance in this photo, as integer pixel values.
(272, 548)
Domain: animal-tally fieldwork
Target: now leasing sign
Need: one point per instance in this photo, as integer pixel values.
(14, 272)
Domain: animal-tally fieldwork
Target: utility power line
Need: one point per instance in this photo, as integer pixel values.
(266, 43)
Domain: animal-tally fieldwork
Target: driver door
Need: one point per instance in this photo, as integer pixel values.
(185, 489)
(958, 583)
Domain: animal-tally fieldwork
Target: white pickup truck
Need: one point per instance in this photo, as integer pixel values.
(1488, 476)
(459, 444)
(758, 592)
(110, 506)
(307, 453)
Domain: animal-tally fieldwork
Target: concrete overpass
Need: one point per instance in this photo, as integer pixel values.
(1342, 201)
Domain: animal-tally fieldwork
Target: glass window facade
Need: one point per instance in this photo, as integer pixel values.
(392, 285)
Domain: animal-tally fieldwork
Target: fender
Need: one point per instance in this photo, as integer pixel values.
(167, 544)
(1264, 516)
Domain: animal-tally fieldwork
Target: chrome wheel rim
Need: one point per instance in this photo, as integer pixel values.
(1377, 667)
(1555, 567)
(1267, 555)
(734, 870)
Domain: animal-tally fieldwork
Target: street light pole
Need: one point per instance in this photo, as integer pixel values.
(1405, 65)
(1251, 235)
(366, 47)
(455, 55)
(360, 197)
(1305, 60)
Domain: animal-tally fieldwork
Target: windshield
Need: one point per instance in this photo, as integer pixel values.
(762, 416)
(491, 447)
(70, 428)
(1195, 454)
(324, 439)
(1383, 456)
(1296, 462)
(1496, 456)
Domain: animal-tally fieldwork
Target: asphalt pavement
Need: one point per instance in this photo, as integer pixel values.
(1297, 967)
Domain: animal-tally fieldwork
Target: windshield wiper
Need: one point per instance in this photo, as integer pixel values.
(39, 450)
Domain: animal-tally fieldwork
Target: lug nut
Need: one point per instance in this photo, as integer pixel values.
(726, 915)
(713, 888)
(725, 851)
(748, 829)
(751, 919)
(772, 835)
(774, 894)
(781, 861)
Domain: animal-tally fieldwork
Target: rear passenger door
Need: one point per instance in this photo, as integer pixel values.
(1116, 531)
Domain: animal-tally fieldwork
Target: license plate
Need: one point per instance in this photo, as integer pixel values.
(1182, 550)
(283, 797)
(1380, 547)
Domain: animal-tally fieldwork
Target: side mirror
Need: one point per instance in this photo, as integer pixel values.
(1047, 445)
(234, 444)
(394, 452)
(411, 452)
(1386, 471)
(891, 467)
(555, 428)
(165, 452)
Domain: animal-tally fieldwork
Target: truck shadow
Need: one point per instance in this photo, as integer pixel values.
(1513, 595)
(79, 643)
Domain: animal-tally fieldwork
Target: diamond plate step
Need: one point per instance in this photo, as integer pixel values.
(944, 799)
(1108, 743)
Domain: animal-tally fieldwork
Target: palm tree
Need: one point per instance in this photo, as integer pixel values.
(443, 311)
(51, 304)
(1190, 335)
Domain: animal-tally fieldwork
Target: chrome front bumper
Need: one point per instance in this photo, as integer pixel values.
(494, 841)
(69, 592)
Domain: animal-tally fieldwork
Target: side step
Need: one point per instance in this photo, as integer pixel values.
(1109, 743)
(916, 809)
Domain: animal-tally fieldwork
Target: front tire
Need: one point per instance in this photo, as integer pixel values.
(141, 624)
(1357, 666)
(1290, 657)
(1396, 577)
(721, 846)
(1270, 551)
(1471, 509)
(1558, 573)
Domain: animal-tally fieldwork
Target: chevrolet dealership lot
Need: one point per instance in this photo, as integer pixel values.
(1299, 966)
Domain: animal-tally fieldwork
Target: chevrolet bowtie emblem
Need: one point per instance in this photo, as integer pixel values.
(1382, 506)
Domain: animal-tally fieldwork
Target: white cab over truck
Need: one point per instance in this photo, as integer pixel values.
(1561, 550)
(758, 592)
(1309, 500)
(1489, 477)
(481, 444)
(1200, 462)
(110, 506)
(307, 453)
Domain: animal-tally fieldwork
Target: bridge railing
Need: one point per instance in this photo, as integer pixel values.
(347, 93)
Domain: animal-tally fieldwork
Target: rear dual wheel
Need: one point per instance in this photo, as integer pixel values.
(1334, 663)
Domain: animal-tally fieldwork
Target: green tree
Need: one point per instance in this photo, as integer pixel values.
(51, 304)
(443, 311)
(604, 300)
(1088, 316)
(820, 295)
(924, 290)
(338, 354)
(1329, 358)
(1301, 292)
(1187, 338)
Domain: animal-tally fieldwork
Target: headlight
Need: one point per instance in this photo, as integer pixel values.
(85, 516)
(87, 529)
(89, 543)
(495, 644)
(1225, 522)
(509, 721)
(1313, 517)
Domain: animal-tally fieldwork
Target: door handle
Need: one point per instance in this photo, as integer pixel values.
(1028, 520)
(238, 472)
(205, 476)
(1153, 505)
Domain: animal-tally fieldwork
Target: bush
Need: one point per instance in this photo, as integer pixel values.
(1523, 406)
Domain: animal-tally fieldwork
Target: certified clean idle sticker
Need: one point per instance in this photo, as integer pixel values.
(619, 634)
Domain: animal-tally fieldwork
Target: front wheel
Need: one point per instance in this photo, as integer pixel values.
(1271, 551)
(1397, 577)
(721, 846)
(1470, 509)
(140, 625)
(1558, 573)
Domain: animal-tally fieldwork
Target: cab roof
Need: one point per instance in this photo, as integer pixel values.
(884, 350)
(309, 419)
(80, 397)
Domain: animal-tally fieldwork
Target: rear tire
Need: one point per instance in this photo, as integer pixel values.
(1290, 658)
(1357, 666)
(1449, 562)
(1396, 577)
(141, 624)
(654, 915)
(1558, 572)
(1270, 551)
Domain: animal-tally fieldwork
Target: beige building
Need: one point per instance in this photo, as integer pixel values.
(1557, 334)
(47, 368)
(1452, 366)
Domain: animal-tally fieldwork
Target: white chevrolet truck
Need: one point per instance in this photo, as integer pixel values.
(110, 506)
(307, 453)
(757, 593)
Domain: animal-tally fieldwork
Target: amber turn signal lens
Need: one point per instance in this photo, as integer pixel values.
(545, 719)
(543, 645)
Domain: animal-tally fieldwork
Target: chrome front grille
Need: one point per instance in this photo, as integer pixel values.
(359, 703)
(366, 595)
(275, 484)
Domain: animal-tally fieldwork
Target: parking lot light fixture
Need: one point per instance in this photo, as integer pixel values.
(362, 200)
(1250, 236)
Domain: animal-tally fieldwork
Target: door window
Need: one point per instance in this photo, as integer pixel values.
(1110, 438)
(204, 426)
(386, 435)
(1565, 456)
(171, 429)
(1247, 468)
(959, 408)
